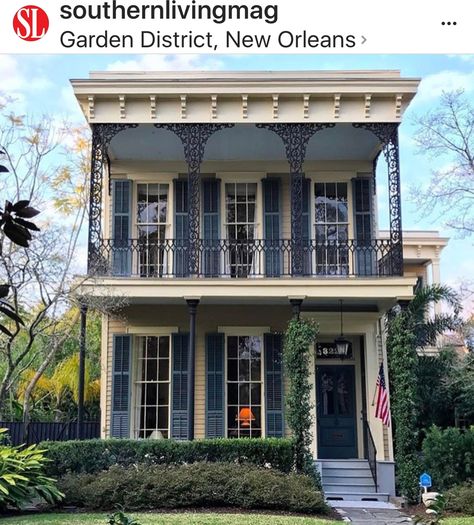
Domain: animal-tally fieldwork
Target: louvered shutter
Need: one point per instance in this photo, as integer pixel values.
(273, 344)
(215, 386)
(121, 227)
(271, 217)
(306, 227)
(210, 226)
(363, 226)
(179, 388)
(181, 228)
(120, 418)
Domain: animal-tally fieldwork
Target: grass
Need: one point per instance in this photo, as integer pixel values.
(468, 520)
(170, 519)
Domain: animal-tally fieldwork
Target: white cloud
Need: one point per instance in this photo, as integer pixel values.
(166, 63)
(432, 86)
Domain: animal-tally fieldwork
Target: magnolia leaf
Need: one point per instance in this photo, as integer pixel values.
(27, 224)
(17, 234)
(28, 212)
(5, 330)
(3, 169)
(11, 314)
(20, 205)
(4, 290)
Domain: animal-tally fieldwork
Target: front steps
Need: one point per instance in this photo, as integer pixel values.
(349, 480)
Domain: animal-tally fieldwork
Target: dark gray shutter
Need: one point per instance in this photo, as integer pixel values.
(271, 220)
(120, 418)
(181, 233)
(121, 226)
(210, 227)
(179, 387)
(215, 386)
(363, 226)
(273, 344)
(306, 228)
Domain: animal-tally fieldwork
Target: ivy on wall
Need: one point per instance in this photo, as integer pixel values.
(299, 343)
(402, 362)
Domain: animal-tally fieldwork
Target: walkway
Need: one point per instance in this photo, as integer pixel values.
(373, 513)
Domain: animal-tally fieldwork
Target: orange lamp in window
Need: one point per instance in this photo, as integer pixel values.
(245, 417)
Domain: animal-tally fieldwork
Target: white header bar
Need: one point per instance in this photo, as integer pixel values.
(236, 26)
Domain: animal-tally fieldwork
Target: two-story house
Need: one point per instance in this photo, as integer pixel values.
(221, 205)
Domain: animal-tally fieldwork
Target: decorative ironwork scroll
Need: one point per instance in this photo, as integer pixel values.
(194, 138)
(102, 134)
(387, 133)
(295, 138)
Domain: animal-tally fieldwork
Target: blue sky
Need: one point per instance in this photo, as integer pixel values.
(41, 85)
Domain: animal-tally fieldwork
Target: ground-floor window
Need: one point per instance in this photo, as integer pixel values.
(244, 386)
(153, 387)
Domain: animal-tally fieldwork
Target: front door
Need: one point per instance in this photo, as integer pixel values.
(335, 401)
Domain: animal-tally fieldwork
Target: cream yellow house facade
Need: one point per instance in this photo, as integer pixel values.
(223, 204)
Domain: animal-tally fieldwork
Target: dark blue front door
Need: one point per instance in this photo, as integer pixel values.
(335, 401)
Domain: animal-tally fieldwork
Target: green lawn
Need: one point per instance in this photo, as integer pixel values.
(169, 519)
(459, 521)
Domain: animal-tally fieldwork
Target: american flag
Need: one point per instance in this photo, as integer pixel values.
(382, 410)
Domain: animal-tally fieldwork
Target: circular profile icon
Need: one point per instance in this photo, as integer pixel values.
(30, 23)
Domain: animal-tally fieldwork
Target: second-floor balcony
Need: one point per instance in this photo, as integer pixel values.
(245, 259)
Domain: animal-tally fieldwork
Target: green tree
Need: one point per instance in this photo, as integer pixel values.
(409, 330)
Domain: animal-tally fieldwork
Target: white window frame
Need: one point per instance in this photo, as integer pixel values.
(135, 394)
(244, 332)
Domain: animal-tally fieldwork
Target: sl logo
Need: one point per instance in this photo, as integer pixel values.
(30, 23)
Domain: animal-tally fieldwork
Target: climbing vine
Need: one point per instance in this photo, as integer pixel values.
(402, 361)
(299, 342)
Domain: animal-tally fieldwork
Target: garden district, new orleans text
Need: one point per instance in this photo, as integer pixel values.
(191, 40)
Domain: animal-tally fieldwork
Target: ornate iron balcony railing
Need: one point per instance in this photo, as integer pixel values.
(245, 258)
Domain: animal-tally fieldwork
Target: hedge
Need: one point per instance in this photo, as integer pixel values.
(448, 455)
(92, 456)
(461, 499)
(206, 485)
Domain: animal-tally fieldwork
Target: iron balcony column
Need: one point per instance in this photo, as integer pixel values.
(295, 139)
(388, 136)
(194, 138)
(82, 372)
(102, 134)
(192, 308)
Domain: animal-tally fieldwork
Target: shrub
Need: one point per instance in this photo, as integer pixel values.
(449, 456)
(461, 499)
(22, 477)
(150, 487)
(93, 456)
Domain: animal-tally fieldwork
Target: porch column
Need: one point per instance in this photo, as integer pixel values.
(295, 138)
(192, 308)
(387, 133)
(296, 307)
(102, 134)
(82, 373)
(194, 138)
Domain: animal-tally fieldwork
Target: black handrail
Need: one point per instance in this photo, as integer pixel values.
(245, 258)
(371, 452)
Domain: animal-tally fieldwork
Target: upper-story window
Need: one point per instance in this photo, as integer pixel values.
(152, 212)
(241, 201)
(332, 228)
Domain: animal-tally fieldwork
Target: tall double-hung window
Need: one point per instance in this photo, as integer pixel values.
(153, 387)
(244, 386)
(152, 212)
(331, 228)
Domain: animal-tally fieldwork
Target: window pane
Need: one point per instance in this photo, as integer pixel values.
(232, 347)
(150, 398)
(256, 394)
(255, 369)
(164, 347)
(163, 394)
(232, 370)
(232, 412)
(233, 394)
(164, 370)
(151, 344)
(244, 372)
(163, 417)
(151, 370)
(244, 394)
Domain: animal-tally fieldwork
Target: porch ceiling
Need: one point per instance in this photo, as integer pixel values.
(244, 142)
